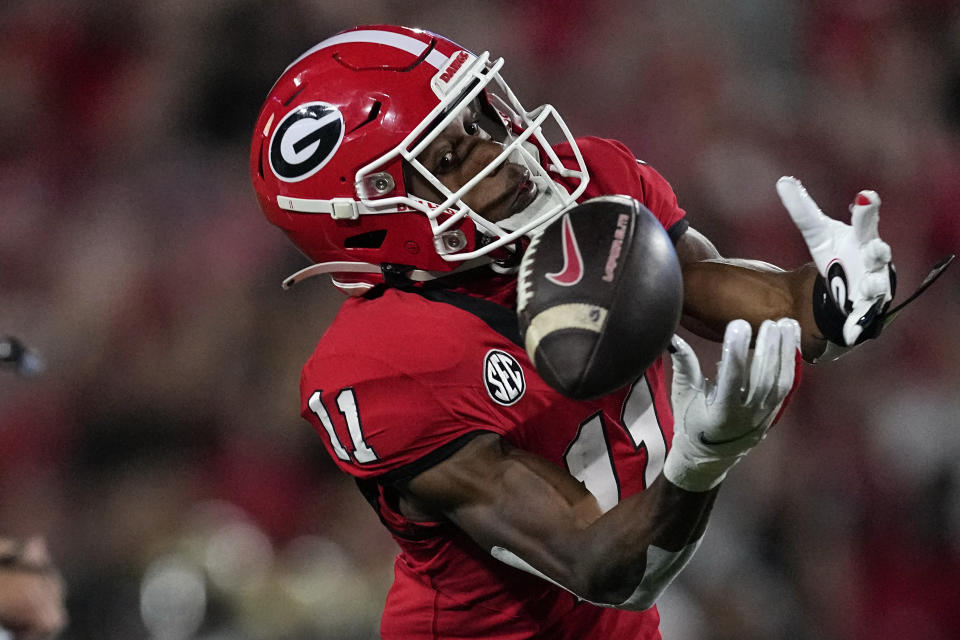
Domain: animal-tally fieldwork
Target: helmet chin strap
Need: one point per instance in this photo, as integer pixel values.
(416, 275)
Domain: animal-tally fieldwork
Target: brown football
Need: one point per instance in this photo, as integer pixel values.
(599, 296)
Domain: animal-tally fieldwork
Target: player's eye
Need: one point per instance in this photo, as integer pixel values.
(446, 162)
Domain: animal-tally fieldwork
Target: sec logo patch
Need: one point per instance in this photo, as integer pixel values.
(305, 140)
(503, 377)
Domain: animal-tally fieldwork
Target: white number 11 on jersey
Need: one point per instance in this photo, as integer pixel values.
(347, 404)
(588, 457)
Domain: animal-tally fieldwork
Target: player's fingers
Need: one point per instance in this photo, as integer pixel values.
(852, 330)
(766, 363)
(876, 254)
(875, 285)
(686, 367)
(803, 210)
(733, 374)
(789, 345)
(863, 314)
(865, 216)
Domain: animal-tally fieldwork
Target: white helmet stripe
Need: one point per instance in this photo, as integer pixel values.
(397, 40)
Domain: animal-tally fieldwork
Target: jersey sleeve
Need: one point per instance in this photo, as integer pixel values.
(615, 170)
(386, 421)
(388, 402)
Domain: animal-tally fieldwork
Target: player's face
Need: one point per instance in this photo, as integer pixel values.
(461, 152)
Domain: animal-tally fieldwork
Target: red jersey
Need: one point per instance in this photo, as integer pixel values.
(402, 380)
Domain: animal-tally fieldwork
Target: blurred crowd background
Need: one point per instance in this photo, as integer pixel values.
(162, 454)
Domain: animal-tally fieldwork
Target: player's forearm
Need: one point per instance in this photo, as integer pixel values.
(718, 291)
(531, 514)
(642, 543)
(628, 556)
(664, 515)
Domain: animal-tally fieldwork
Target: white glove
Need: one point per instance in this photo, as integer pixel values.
(854, 262)
(715, 425)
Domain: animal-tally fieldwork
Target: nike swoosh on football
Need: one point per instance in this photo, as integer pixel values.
(572, 269)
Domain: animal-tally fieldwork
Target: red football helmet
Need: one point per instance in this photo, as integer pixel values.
(346, 119)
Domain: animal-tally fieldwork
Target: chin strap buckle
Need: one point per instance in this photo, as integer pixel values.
(396, 275)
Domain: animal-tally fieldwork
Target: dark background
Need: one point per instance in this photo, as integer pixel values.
(162, 454)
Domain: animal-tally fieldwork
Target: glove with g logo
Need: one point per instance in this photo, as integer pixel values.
(857, 279)
(852, 296)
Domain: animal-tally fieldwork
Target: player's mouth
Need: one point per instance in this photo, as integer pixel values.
(525, 193)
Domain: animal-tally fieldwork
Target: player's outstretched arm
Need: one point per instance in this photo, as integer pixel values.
(717, 290)
(841, 299)
(533, 515)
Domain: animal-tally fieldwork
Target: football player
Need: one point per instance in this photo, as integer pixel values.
(402, 165)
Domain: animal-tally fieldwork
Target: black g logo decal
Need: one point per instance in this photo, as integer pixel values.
(837, 279)
(305, 140)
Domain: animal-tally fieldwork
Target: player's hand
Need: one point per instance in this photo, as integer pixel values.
(716, 424)
(855, 264)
